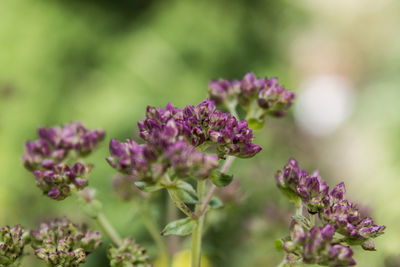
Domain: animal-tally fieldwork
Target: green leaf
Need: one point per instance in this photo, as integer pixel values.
(216, 203)
(255, 124)
(185, 192)
(278, 245)
(180, 227)
(147, 187)
(221, 179)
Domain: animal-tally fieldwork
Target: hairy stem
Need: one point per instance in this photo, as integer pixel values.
(108, 229)
(197, 233)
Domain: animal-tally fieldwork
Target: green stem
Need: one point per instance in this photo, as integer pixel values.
(299, 208)
(312, 220)
(108, 229)
(154, 231)
(197, 233)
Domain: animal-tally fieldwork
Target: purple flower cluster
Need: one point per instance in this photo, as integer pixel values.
(202, 124)
(257, 96)
(62, 243)
(47, 157)
(316, 246)
(332, 208)
(57, 143)
(148, 162)
(171, 136)
(12, 243)
(56, 183)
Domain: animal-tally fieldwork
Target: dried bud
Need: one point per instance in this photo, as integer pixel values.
(12, 242)
(128, 254)
(62, 243)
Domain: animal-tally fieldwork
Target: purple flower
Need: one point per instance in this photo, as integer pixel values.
(257, 96)
(56, 143)
(56, 183)
(313, 190)
(224, 91)
(198, 125)
(347, 218)
(60, 242)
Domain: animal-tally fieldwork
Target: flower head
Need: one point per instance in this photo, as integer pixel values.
(48, 155)
(257, 96)
(56, 143)
(60, 242)
(56, 183)
(201, 124)
(12, 242)
(128, 254)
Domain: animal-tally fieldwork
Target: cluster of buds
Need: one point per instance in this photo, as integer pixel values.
(336, 213)
(171, 136)
(316, 246)
(12, 242)
(203, 125)
(257, 96)
(149, 162)
(47, 157)
(128, 253)
(62, 243)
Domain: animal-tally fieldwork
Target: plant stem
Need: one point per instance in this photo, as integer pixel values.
(312, 220)
(92, 208)
(224, 169)
(108, 229)
(154, 231)
(299, 208)
(197, 233)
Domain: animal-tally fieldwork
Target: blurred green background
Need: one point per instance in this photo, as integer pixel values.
(102, 62)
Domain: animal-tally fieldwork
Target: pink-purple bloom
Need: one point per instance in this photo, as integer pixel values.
(335, 212)
(203, 124)
(47, 158)
(257, 96)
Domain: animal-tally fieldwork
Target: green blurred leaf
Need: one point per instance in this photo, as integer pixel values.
(278, 245)
(255, 124)
(216, 203)
(185, 192)
(221, 179)
(146, 187)
(180, 227)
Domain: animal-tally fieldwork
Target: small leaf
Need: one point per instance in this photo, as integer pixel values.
(216, 203)
(180, 227)
(278, 245)
(185, 192)
(255, 124)
(147, 187)
(221, 179)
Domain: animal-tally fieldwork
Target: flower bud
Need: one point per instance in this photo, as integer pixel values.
(128, 253)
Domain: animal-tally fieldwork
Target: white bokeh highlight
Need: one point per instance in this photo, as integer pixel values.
(323, 103)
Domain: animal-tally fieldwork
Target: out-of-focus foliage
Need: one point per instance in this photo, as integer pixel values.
(103, 62)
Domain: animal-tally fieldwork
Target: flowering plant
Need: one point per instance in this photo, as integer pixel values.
(187, 153)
